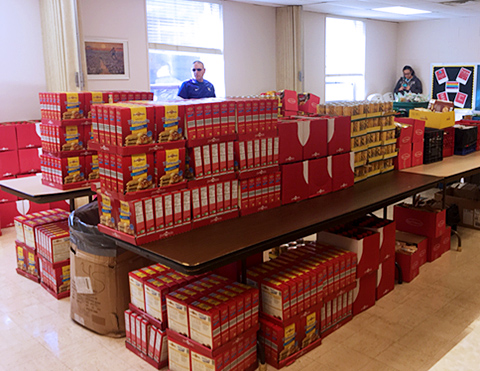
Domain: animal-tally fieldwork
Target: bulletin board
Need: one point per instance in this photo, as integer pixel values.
(455, 83)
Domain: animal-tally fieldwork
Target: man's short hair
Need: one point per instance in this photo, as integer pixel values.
(199, 62)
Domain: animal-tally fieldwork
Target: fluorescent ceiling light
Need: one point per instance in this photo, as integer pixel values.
(401, 10)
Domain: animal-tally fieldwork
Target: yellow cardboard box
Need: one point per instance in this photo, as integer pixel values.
(437, 120)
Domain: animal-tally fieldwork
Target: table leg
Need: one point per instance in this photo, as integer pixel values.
(459, 239)
(385, 209)
(243, 278)
(400, 275)
(444, 194)
(72, 204)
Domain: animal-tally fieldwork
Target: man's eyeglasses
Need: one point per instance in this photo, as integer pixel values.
(196, 69)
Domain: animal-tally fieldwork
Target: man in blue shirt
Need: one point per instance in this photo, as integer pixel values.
(197, 87)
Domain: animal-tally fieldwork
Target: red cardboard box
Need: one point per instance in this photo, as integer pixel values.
(178, 356)
(320, 176)
(170, 121)
(419, 221)
(29, 160)
(7, 137)
(137, 172)
(385, 277)
(55, 276)
(170, 166)
(290, 141)
(136, 124)
(289, 100)
(295, 185)
(9, 164)
(437, 246)
(404, 136)
(364, 293)
(307, 103)
(315, 132)
(404, 157)
(367, 249)
(387, 229)
(343, 171)
(339, 135)
(204, 322)
(28, 135)
(418, 128)
(410, 264)
(417, 153)
(8, 211)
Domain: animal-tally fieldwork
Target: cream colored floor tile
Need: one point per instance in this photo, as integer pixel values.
(377, 366)
(388, 330)
(403, 358)
(343, 358)
(368, 343)
(424, 340)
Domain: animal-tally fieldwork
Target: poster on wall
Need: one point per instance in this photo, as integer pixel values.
(455, 83)
(106, 59)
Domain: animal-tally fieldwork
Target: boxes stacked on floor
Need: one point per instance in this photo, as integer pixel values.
(428, 221)
(465, 139)
(315, 157)
(146, 318)
(410, 143)
(386, 268)
(19, 157)
(365, 243)
(30, 245)
(410, 255)
(306, 293)
(213, 323)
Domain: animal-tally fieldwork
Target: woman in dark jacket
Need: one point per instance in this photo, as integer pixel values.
(409, 82)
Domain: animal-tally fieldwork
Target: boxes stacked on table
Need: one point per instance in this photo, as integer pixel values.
(66, 131)
(19, 157)
(465, 139)
(412, 151)
(448, 141)
(427, 221)
(32, 244)
(306, 293)
(257, 155)
(315, 157)
(371, 135)
(475, 123)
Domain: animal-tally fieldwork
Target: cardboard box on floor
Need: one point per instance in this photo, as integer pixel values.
(469, 210)
(99, 291)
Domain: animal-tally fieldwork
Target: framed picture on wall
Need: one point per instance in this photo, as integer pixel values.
(106, 59)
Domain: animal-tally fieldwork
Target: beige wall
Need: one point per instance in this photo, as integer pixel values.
(380, 59)
(119, 19)
(440, 41)
(22, 74)
(249, 38)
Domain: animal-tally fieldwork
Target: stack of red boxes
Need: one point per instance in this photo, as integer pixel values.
(410, 261)
(365, 243)
(27, 244)
(213, 324)
(146, 320)
(19, 157)
(410, 133)
(428, 222)
(315, 156)
(257, 155)
(449, 141)
(304, 295)
(386, 268)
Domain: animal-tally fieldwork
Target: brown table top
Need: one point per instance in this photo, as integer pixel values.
(219, 244)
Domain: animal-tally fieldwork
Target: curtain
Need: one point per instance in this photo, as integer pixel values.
(289, 45)
(60, 46)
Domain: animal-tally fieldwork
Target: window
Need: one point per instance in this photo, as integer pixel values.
(180, 32)
(344, 59)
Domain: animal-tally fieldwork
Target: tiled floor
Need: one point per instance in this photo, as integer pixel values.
(432, 322)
